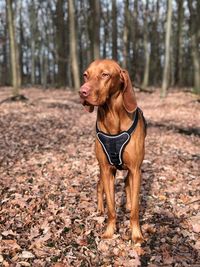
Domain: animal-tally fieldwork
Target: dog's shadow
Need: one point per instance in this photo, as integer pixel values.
(167, 242)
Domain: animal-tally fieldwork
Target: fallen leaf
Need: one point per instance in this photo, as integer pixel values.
(24, 263)
(1, 258)
(9, 232)
(139, 250)
(12, 244)
(27, 255)
(103, 246)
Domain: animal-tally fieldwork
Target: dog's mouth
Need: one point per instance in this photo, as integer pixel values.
(84, 102)
(89, 107)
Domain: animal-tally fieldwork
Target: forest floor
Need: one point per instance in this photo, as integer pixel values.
(48, 177)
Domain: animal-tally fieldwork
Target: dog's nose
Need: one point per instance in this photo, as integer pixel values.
(84, 91)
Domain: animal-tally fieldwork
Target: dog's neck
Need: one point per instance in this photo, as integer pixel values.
(112, 118)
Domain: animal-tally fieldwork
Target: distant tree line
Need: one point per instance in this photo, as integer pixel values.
(50, 43)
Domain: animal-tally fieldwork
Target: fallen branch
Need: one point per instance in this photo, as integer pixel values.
(145, 90)
(14, 99)
(197, 200)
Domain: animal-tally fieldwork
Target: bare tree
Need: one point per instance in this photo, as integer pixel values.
(73, 45)
(33, 27)
(155, 37)
(4, 70)
(21, 40)
(61, 43)
(94, 28)
(179, 45)
(105, 16)
(134, 45)
(126, 34)
(194, 31)
(146, 48)
(114, 30)
(14, 53)
(165, 82)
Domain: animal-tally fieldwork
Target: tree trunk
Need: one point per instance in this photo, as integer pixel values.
(165, 82)
(134, 32)
(60, 41)
(94, 29)
(68, 41)
(114, 30)
(21, 41)
(5, 74)
(16, 79)
(179, 45)
(105, 42)
(73, 45)
(33, 28)
(105, 19)
(156, 40)
(194, 28)
(32, 61)
(44, 67)
(126, 35)
(146, 48)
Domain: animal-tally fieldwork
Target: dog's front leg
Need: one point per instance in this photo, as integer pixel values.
(107, 175)
(135, 180)
(100, 192)
(128, 192)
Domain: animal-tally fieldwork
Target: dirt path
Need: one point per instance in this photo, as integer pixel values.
(48, 184)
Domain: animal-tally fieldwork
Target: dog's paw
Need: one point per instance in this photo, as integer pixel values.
(108, 234)
(137, 238)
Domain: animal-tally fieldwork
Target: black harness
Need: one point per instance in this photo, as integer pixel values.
(113, 145)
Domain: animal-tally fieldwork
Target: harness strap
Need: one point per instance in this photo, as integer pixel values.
(130, 130)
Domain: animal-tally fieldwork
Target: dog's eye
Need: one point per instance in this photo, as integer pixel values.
(105, 75)
(85, 76)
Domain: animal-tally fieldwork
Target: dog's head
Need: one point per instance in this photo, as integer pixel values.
(102, 79)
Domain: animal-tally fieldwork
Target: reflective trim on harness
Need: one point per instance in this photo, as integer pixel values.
(113, 145)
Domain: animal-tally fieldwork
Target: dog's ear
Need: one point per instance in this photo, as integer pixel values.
(129, 99)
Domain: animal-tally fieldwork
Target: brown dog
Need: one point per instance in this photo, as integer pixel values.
(120, 137)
